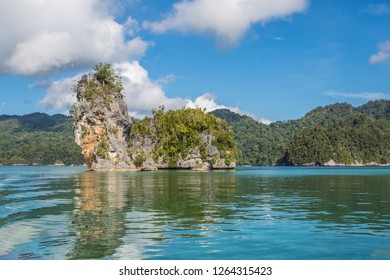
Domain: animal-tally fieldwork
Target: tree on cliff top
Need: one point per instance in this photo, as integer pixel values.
(102, 84)
(105, 75)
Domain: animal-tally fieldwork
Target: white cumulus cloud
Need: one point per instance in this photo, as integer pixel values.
(142, 94)
(42, 36)
(207, 102)
(382, 55)
(227, 20)
(59, 95)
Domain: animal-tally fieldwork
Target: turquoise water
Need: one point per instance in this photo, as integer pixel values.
(251, 213)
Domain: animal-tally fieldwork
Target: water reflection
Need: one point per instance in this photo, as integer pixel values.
(122, 213)
(180, 214)
(330, 199)
(274, 213)
(98, 218)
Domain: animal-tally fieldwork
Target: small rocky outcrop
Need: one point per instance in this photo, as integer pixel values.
(149, 154)
(180, 139)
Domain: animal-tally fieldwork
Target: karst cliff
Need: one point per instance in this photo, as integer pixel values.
(176, 139)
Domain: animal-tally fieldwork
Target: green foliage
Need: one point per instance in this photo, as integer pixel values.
(257, 143)
(102, 148)
(104, 74)
(113, 129)
(339, 131)
(72, 110)
(202, 151)
(355, 138)
(38, 139)
(228, 160)
(378, 109)
(139, 160)
(310, 145)
(84, 131)
(102, 84)
(179, 131)
(143, 129)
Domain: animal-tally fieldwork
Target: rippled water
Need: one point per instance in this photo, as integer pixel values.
(250, 213)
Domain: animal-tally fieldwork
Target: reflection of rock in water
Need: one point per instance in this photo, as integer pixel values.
(125, 215)
(98, 218)
(166, 204)
(183, 194)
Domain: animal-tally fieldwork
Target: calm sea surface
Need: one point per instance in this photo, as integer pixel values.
(250, 213)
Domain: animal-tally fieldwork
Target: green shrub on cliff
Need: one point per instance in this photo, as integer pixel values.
(143, 128)
(102, 148)
(102, 83)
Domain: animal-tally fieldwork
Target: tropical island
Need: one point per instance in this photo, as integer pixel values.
(176, 139)
(337, 134)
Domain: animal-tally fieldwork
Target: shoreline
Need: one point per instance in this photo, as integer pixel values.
(42, 165)
(238, 166)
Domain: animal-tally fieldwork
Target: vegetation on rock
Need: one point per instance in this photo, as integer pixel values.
(102, 148)
(109, 140)
(102, 82)
(176, 133)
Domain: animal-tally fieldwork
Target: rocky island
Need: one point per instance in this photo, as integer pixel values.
(176, 139)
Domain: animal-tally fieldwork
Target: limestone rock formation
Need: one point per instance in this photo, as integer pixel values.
(181, 139)
(102, 122)
(149, 155)
(184, 139)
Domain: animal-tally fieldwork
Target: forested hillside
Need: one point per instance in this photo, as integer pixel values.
(338, 132)
(38, 139)
(355, 139)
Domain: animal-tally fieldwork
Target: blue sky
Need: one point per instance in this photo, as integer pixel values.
(274, 60)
